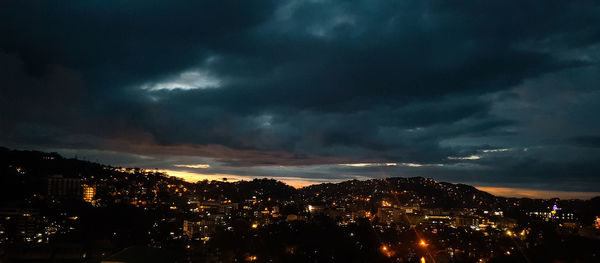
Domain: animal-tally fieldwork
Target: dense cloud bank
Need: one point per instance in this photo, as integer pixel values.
(495, 93)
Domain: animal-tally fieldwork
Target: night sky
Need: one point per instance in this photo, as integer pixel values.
(503, 95)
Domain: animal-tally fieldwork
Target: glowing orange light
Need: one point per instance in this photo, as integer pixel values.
(422, 259)
(387, 251)
(254, 225)
(423, 243)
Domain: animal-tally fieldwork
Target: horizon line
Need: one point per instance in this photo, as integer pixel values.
(300, 182)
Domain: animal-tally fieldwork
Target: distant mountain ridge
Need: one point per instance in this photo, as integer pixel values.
(408, 191)
(33, 166)
(23, 171)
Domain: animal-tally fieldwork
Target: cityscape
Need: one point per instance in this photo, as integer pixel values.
(230, 131)
(56, 209)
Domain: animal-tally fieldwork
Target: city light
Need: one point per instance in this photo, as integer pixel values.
(387, 251)
(88, 193)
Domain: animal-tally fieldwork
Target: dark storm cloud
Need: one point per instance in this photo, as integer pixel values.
(132, 39)
(586, 141)
(254, 83)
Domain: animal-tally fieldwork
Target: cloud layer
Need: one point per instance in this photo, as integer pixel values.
(500, 93)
